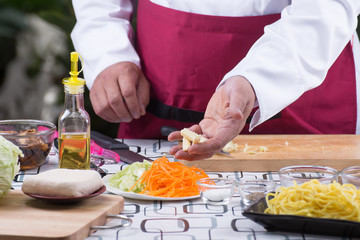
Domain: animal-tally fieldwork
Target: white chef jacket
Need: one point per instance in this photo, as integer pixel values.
(292, 56)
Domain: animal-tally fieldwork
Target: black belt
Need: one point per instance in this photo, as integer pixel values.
(164, 111)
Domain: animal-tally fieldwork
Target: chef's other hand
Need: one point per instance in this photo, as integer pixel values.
(120, 93)
(225, 117)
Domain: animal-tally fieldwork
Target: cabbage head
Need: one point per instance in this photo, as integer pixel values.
(9, 154)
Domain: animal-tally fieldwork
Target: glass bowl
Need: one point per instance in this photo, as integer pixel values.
(253, 190)
(33, 137)
(351, 175)
(216, 191)
(304, 173)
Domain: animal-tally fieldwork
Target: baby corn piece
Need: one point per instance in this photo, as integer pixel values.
(186, 144)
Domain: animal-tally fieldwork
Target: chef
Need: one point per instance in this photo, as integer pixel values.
(265, 66)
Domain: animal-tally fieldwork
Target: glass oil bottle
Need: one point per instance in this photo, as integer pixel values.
(74, 122)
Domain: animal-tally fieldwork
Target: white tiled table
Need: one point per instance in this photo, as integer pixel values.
(183, 220)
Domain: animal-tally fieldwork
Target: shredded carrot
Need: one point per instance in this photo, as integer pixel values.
(170, 179)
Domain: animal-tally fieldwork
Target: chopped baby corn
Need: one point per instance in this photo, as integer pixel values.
(191, 137)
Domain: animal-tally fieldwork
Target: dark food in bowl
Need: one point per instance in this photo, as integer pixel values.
(34, 138)
(35, 150)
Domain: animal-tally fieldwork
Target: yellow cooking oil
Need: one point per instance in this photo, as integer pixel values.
(74, 151)
(74, 122)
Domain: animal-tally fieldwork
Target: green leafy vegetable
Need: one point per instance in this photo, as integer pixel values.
(9, 154)
(127, 177)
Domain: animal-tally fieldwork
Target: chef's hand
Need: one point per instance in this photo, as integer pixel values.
(225, 117)
(120, 93)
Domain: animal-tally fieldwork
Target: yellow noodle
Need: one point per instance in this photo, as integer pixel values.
(313, 199)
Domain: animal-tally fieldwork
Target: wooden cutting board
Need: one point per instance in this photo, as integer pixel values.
(23, 217)
(337, 151)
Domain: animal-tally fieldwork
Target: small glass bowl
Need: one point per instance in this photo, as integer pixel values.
(351, 175)
(33, 137)
(304, 173)
(253, 190)
(216, 191)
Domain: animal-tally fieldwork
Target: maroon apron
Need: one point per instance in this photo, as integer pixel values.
(185, 55)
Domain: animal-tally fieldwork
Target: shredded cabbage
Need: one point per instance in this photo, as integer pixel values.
(127, 177)
(9, 154)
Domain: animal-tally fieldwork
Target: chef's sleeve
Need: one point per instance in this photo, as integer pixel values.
(103, 35)
(295, 53)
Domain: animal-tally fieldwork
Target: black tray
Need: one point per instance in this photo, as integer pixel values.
(299, 224)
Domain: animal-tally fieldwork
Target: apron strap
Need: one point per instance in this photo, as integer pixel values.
(164, 111)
